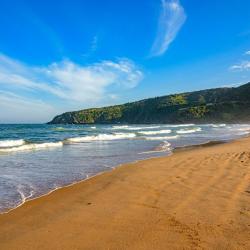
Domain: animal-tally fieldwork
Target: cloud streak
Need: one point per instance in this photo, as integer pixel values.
(68, 80)
(64, 82)
(243, 66)
(171, 19)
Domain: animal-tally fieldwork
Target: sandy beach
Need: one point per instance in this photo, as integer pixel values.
(197, 198)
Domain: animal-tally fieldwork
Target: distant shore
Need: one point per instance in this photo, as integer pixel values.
(197, 198)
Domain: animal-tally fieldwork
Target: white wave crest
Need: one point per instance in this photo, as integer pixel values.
(246, 129)
(120, 127)
(126, 127)
(146, 127)
(167, 131)
(32, 146)
(218, 125)
(134, 128)
(11, 143)
(188, 131)
(102, 137)
(162, 138)
(180, 125)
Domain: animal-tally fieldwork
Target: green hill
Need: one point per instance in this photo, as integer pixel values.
(205, 106)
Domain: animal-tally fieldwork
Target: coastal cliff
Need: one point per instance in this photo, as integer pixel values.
(205, 106)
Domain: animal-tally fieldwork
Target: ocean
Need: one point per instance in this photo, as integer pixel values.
(37, 159)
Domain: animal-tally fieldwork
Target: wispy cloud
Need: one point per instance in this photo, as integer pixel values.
(247, 52)
(94, 44)
(243, 66)
(66, 81)
(171, 19)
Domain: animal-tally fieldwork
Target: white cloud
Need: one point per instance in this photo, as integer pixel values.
(170, 22)
(63, 84)
(68, 80)
(243, 66)
(248, 52)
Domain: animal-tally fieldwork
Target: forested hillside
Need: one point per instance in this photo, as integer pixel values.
(212, 105)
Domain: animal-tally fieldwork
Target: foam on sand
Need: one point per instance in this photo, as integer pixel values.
(163, 147)
(102, 137)
(22, 194)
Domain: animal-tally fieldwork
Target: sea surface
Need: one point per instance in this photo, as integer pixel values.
(37, 159)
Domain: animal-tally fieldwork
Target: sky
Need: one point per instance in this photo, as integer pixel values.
(58, 56)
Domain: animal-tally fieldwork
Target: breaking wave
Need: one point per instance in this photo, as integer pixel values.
(188, 131)
(102, 137)
(120, 127)
(31, 146)
(167, 131)
(218, 125)
(180, 125)
(161, 138)
(11, 143)
(126, 127)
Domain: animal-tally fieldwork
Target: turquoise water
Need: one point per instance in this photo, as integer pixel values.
(36, 159)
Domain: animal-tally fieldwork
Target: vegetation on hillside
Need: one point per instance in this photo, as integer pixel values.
(212, 105)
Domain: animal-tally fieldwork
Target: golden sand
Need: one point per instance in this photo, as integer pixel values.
(194, 199)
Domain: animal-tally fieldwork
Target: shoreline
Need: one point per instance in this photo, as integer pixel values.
(173, 151)
(120, 179)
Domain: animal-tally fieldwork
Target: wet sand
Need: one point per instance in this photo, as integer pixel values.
(198, 198)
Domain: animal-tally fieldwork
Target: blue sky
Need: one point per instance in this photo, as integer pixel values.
(58, 56)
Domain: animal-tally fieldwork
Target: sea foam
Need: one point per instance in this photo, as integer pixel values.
(218, 125)
(120, 127)
(180, 125)
(161, 138)
(32, 146)
(188, 131)
(166, 131)
(126, 127)
(102, 137)
(163, 147)
(11, 143)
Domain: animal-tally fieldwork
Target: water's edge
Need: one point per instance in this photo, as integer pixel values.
(176, 150)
